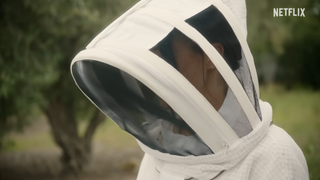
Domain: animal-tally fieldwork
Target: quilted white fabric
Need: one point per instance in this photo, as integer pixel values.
(267, 153)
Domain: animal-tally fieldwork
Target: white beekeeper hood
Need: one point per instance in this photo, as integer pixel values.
(128, 82)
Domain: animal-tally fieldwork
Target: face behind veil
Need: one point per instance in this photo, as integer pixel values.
(150, 112)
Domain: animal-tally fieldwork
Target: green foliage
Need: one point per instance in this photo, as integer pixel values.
(289, 42)
(300, 63)
(266, 34)
(39, 38)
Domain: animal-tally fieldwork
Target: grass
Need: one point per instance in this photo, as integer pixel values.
(297, 111)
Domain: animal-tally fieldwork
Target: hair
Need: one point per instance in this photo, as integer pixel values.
(215, 28)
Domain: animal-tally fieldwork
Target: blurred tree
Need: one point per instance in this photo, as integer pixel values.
(300, 62)
(285, 46)
(266, 36)
(265, 32)
(39, 38)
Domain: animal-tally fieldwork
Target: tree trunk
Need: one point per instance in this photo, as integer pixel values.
(76, 151)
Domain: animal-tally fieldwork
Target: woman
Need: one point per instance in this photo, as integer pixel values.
(179, 77)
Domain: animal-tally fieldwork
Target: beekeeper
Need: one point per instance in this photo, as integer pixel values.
(178, 76)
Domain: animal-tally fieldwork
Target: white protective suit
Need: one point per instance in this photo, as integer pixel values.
(132, 72)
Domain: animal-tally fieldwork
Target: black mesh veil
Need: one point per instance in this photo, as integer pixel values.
(137, 109)
(139, 113)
